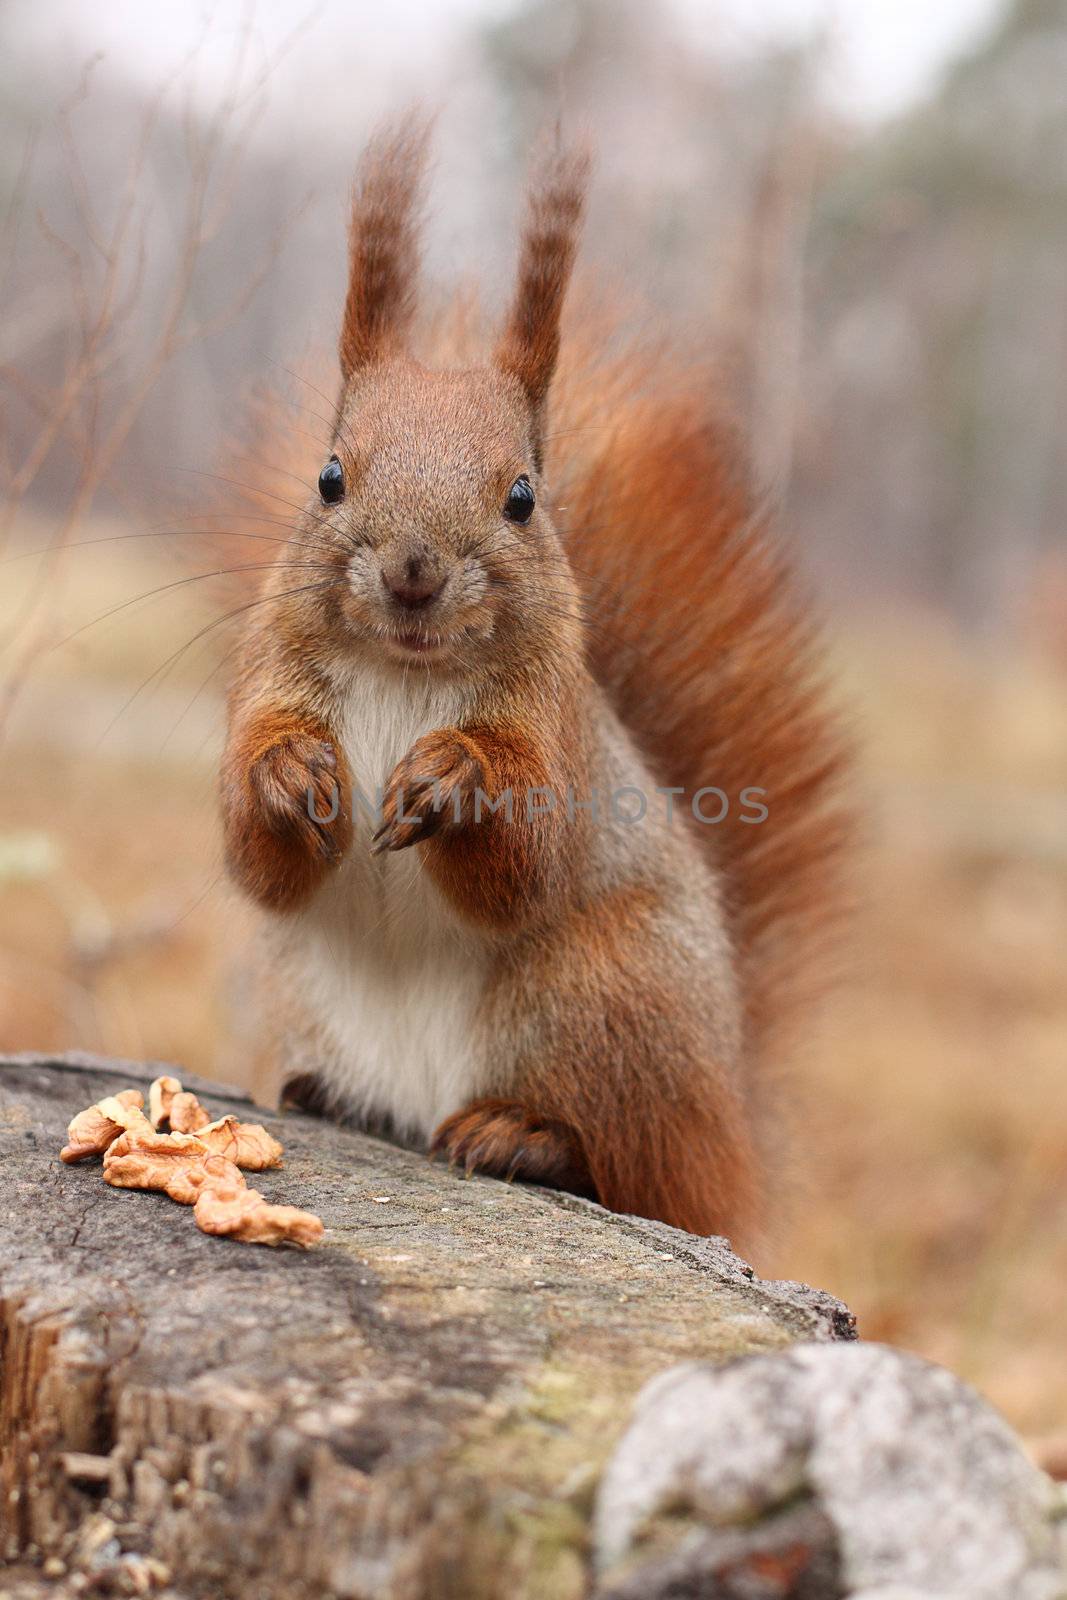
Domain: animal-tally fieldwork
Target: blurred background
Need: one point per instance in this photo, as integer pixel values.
(865, 205)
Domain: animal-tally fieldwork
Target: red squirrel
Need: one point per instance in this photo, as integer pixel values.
(514, 616)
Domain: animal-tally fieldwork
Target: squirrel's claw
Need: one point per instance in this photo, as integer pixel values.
(397, 833)
(430, 791)
(508, 1140)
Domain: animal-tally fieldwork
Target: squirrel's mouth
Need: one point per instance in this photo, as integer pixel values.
(448, 645)
(410, 642)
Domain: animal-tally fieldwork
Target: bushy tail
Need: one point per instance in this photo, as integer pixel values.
(699, 635)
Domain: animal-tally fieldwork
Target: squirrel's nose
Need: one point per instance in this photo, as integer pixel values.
(413, 584)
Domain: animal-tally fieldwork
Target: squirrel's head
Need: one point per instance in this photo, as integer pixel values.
(432, 496)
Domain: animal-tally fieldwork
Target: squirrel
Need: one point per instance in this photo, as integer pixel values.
(514, 615)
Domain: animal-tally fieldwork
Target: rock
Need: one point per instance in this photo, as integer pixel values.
(919, 1490)
(419, 1407)
(791, 1555)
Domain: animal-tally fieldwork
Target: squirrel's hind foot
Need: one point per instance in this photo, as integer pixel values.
(506, 1139)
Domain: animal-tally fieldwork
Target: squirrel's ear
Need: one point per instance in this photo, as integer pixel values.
(383, 253)
(529, 345)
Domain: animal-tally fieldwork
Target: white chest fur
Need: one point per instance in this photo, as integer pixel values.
(391, 976)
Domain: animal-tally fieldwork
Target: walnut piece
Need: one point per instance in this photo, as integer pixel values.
(197, 1164)
(160, 1098)
(187, 1115)
(177, 1163)
(245, 1214)
(248, 1144)
(93, 1130)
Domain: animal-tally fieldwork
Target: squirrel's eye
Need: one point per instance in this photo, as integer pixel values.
(518, 507)
(332, 481)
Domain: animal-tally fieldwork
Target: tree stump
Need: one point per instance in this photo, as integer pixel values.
(422, 1406)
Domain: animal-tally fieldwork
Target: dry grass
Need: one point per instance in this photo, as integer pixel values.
(935, 1132)
(936, 1116)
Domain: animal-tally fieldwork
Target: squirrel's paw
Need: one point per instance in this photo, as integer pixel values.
(299, 788)
(431, 789)
(506, 1140)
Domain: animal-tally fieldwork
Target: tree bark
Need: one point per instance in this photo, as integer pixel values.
(419, 1407)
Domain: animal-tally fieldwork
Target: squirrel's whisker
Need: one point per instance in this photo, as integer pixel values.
(177, 583)
(218, 622)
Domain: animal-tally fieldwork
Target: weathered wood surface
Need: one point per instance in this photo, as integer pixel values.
(421, 1407)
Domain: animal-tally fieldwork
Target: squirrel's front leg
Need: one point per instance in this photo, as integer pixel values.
(431, 789)
(286, 801)
(490, 815)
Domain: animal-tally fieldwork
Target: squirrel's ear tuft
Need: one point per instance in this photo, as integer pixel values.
(529, 345)
(383, 252)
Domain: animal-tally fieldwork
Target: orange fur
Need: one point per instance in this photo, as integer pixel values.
(665, 1127)
(383, 246)
(529, 347)
(629, 1079)
(496, 872)
(706, 646)
(278, 769)
(505, 1137)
